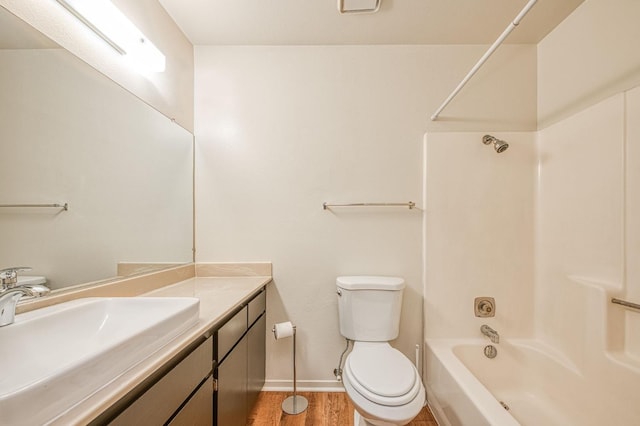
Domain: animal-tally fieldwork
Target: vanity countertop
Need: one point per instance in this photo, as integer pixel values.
(219, 296)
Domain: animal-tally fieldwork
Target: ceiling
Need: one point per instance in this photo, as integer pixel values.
(302, 22)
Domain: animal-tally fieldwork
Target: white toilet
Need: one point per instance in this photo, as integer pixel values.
(383, 385)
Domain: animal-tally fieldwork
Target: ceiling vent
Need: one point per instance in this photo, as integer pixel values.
(358, 6)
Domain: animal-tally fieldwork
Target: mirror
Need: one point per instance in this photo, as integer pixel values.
(68, 134)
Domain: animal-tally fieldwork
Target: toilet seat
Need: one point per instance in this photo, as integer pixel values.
(382, 374)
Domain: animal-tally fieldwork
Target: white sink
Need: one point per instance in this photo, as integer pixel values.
(55, 357)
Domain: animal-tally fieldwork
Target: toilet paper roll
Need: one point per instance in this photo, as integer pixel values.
(282, 330)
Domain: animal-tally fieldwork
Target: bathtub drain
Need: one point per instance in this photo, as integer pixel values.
(490, 351)
(505, 406)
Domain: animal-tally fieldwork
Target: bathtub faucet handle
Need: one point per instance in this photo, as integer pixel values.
(484, 307)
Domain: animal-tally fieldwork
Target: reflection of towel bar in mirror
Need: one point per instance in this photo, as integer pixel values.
(625, 303)
(410, 204)
(64, 206)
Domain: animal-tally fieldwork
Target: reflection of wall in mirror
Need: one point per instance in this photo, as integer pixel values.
(71, 135)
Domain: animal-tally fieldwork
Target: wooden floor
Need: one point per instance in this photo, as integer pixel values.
(325, 409)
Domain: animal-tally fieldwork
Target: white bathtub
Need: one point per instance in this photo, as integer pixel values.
(537, 385)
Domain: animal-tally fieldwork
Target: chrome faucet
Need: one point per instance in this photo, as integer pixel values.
(490, 333)
(10, 293)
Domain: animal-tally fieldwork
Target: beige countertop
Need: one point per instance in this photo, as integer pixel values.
(219, 296)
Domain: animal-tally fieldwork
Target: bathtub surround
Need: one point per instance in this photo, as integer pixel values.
(591, 194)
(556, 314)
(587, 253)
(631, 213)
(578, 238)
(479, 225)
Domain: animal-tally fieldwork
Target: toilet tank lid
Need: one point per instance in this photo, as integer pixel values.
(369, 282)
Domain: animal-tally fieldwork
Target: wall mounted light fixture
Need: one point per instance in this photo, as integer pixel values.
(108, 22)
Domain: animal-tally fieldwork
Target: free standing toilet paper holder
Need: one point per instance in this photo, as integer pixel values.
(294, 404)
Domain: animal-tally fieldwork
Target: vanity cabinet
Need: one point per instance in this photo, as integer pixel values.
(215, 381)
(182, 396)
(256, 342)
(240, 366)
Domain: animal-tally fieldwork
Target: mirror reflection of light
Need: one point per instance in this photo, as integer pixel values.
(114, 27)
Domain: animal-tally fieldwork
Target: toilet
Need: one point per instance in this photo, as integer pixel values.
(383, 384)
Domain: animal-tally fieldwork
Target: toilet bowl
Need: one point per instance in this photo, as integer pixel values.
(383, 385)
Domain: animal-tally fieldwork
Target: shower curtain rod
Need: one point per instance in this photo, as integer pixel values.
(512, 25)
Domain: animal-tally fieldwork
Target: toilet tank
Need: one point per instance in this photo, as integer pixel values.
(369, 307)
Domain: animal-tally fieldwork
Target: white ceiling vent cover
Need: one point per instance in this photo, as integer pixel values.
(358, 6)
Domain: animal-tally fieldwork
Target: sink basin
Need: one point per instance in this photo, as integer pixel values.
(55, 357)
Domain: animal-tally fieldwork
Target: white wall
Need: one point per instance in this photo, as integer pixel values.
(170, 92)
(280, 130)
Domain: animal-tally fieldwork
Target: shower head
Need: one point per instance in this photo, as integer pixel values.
(498, 145)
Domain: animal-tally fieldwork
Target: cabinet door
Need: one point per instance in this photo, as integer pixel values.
(256, 360)
(232, 387)
(198, 411)
(231, 332)
(161, 401)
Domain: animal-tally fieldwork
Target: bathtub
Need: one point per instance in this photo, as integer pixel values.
(527, 384)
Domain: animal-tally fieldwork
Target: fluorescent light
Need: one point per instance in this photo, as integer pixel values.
(114, 27)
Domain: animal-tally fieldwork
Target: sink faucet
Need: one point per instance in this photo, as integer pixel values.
(8, 300)
(490, 333)
(10, 293)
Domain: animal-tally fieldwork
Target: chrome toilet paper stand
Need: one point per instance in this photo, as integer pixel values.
(294, 404)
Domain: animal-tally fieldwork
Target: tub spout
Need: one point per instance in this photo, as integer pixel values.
(490, 333)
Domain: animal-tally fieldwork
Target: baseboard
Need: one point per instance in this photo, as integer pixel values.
(303, 386)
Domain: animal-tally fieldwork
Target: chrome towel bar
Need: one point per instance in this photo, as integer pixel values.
(64, 206)
(625, 303)
(410, 204)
